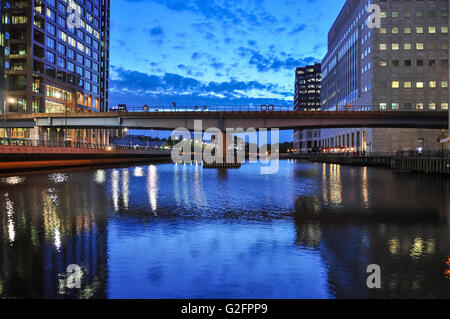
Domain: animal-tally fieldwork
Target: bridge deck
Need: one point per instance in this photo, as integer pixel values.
(233, 119)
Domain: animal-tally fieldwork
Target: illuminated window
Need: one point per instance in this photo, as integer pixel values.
(431, 29)
(383, 106)
(395, 30)
(407, 46)
(419, 85)
(419, 106)
(407, 84)
(419, 30)
(432, 106)
(407, 30)
(444, 84)
(383, 30)
(395, 84)
(444, 29)
(432, 84)
(419, 46)
(444, 106)
(383, 63)
(395, 46)
(383, 46)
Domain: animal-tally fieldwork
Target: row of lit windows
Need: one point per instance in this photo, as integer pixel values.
(419, 30)
(419, 106)
(420, 84)
(418, 13)
(408, 46)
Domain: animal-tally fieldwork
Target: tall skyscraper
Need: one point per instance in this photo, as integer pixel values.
(307, 98)
(56, 59)
(400, 66)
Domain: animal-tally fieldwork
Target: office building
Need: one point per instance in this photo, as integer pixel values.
(400, 66)
(307, 88)
(307, 98)
(56, 61)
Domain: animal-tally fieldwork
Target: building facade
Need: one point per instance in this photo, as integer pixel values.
(307, 98)
(400, 66)
(56, 61)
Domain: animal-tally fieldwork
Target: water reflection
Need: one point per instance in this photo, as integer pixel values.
(115, 189)
(48, 228)
(152, 187)
(13, 180)
(401, 224)
(100, 176)
(9, 205)
(447, 271)
(177, 231)
(364, 187)
(125, 187)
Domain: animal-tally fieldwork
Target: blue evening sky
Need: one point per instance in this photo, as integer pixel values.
(214, 52)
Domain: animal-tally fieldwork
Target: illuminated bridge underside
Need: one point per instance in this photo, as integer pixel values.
(283, 120)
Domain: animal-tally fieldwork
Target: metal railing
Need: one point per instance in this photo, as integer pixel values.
(8, 141)
(266, 108)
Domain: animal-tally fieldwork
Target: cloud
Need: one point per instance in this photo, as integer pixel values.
(227, 11)
(270, 62)
(298, 29)
(138, 86)
(156, 31)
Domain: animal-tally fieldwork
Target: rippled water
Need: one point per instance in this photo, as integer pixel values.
(179, 231)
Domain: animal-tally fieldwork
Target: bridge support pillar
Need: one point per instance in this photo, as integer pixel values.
(224, 146)
(225, 164)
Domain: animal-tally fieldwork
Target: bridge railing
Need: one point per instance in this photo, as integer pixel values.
(8, 141)
(272, 108)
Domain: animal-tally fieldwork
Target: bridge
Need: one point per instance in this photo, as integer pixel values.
(161, 119)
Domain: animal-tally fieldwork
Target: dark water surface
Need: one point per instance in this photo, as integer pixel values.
(179, 231)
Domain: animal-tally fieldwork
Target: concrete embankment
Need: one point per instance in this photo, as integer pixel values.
(16, 158)
(428, 165)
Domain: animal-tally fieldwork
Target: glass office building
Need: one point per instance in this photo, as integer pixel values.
(56, 59)
(307, 98)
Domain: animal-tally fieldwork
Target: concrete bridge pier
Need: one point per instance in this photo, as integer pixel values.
(225, 163)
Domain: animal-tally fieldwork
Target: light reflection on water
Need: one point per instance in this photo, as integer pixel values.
(180, 231)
